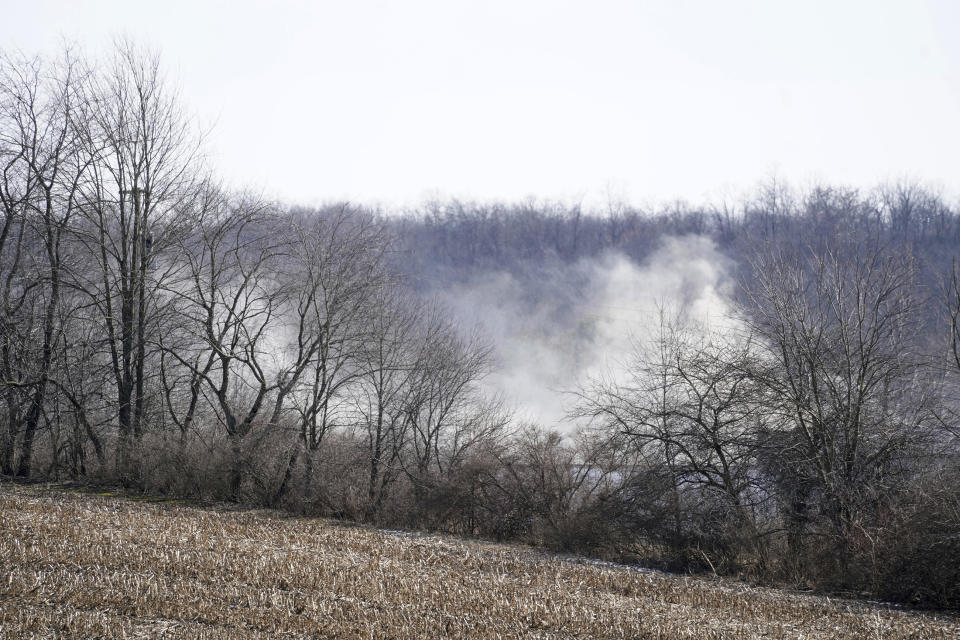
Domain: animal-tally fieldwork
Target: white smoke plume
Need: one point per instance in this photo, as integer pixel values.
(577, 321)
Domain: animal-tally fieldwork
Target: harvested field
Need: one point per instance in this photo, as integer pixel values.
(85, 566)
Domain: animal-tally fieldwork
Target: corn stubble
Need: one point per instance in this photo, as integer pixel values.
(89, 566)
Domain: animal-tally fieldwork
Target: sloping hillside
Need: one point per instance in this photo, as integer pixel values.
(82, 565)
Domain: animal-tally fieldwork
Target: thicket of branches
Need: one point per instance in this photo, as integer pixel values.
(162, 332)
(159, 331)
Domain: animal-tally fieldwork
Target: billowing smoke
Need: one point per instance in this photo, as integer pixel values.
(556, 328)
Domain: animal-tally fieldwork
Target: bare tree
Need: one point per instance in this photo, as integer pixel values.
(339, 264)
(389, 362)
(43, 165)
(83, 385)
(143, 168)
(448, 414)
(911, 209)
(445, 389)
(843, 372)
(228, 298)
(336, 266)
(691, 406)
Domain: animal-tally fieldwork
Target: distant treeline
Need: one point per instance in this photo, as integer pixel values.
(469, 236)
(161, 332)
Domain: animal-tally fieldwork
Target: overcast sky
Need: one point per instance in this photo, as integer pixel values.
(397, 102)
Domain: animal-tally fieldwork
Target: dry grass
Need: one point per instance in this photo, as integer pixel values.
(85, 566)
